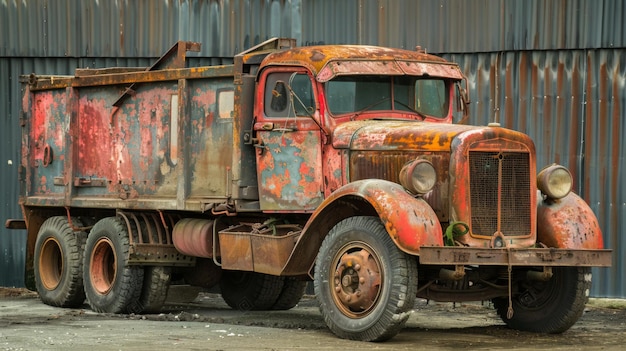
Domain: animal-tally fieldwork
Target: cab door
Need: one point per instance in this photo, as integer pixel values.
(288, 142)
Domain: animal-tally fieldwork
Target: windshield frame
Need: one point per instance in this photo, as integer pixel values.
(379, 93)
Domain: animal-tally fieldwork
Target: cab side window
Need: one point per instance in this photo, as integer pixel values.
(288, 94)
(304, 104)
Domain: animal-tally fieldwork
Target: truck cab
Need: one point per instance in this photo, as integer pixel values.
(305, 99)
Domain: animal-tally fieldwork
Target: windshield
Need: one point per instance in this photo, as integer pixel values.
(356, 94)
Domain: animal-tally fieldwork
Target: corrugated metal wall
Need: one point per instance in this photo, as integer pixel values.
(468, 25)
(553, 69)
(142, 28)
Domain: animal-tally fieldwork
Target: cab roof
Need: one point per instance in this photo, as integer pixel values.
(329, 61)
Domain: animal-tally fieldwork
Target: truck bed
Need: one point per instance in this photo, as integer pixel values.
(160, 138)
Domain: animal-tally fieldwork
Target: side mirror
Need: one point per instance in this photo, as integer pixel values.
(462, 102)
(280, 99)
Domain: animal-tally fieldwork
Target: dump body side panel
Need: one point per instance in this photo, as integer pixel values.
(44, 140)
(168, 145)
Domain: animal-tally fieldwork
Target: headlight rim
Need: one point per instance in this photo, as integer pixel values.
(549, 184)
(407, 178)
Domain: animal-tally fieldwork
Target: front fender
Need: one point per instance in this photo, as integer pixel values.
(568, 223)
(410, 222)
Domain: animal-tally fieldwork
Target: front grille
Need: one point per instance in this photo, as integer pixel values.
(379, 165)
(505, 174)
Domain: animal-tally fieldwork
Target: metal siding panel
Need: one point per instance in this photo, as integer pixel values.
(12, 242)
(146, 28)
(334, 22)
(604, 153)
(468, 26)
(143, 28)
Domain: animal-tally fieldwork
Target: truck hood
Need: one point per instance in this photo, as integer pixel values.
(411, 135)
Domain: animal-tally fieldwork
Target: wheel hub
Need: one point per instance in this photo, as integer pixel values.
(51, 264)
(103, 266)
(357, 281)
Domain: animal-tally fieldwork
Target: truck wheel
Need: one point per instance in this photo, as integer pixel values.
(549, 307)
(293, 290)
(111, 285)
(155, 285)
(247, 291)
(58, 263)
(365, 285)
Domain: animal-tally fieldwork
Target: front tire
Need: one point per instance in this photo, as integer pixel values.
(58, 263)
(549, 307)
(111, 285)
(365, 285)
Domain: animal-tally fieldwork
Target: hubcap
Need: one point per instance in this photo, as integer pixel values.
(51, 264)
(357, 280)
(103, 267)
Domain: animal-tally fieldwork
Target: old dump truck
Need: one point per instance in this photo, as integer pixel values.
(339, 164)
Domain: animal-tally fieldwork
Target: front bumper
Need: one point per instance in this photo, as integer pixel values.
(454, 255)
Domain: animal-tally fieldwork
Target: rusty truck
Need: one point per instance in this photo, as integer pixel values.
(346, 165)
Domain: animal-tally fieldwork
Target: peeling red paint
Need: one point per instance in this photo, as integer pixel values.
(204, 100)
(94, 138)
(568, 223)
(294, 158)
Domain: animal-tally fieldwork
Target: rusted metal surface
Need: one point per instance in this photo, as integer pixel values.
(568, 223)
(173, 58)
(288, 167)
(150, 254)
(46, 129)
(15, 224)
(397, 135)
(504, 196)
(51, 82)
(493, 188)
(394, 66)
(410, 222)
(113, 150)
(357, 280)
(151, 241)
(515, 257)
(258, 247)
(326, 62)
(194, 237)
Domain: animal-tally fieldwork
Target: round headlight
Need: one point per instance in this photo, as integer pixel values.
(418, 176)
(555, 181)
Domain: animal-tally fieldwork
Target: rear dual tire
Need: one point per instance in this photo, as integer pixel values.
(111, 284)
(59, 263)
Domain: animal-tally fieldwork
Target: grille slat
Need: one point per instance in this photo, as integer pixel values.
(507, 174)
(367, 165)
